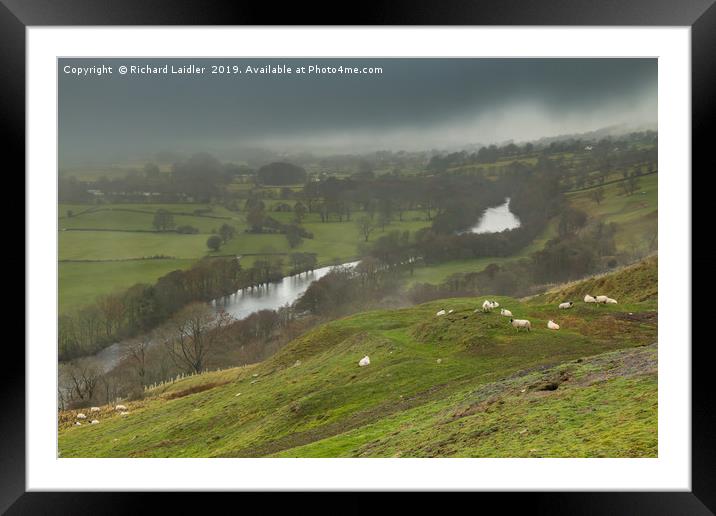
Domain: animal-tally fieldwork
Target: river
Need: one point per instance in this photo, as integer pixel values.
(239, 305)
(496, 219)
(272, 296)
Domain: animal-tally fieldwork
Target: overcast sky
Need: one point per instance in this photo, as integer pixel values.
(414, 104)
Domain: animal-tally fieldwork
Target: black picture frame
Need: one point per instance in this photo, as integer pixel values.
(700, 15)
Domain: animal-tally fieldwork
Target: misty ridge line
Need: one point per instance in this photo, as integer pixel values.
(257, 155)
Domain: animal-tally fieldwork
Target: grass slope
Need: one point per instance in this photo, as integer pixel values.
(588, 389)
(636, 215)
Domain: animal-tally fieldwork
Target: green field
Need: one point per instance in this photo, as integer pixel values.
(81, 283)
(117, 245)
(462, 385)
(126, 220)
(636, 215)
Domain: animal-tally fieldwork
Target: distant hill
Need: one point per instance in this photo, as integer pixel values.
(461, 385)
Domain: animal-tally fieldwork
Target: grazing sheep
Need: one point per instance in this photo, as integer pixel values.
(521, 323)
(601, 299)
(81, 416)
(94, 422)
(123, 413)
(450, 311)
(94, 409)
(364, 361)
(552, 325)
(611, 301)
(589, 299)
(505, 312)
(441, 312)
(120, 407)
(488, 305)
(78, 423)
(440, 360)
(566, 305)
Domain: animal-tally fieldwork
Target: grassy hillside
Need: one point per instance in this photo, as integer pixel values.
(635, 283)
(465, 384)
(636, 215)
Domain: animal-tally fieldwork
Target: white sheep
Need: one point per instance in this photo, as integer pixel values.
(364, 361)
(601, 299)
(611, 301)
(123, 413)
(120, 407)
(81, 416)
(77, 423)
(495, 304)
(94, 409)
(566, 305)
(506, 313)
(589, 299)
(94, 422)
(441, 312)
(488, 305)
(450, 311)
(521, 323)
(552, 325)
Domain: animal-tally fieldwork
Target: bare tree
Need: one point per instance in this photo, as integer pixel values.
(112, 310)
(83, 376)
(629, 185)
(137, 356)
(192, 334)
(366, 227)
(597, 195)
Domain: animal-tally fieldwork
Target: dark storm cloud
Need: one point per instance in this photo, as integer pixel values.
(414, 103)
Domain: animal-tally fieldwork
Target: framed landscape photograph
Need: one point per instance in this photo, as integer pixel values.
(373, 258)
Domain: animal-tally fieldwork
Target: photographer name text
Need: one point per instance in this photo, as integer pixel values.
(218, 69)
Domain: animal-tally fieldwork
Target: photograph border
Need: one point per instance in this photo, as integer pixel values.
(701, 16)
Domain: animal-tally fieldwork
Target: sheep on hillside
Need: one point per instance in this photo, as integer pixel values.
(601, 299)
(450, 311)
(364, 361)
(488, 305)
(120, 407)
(506, 313)
(589, 299)
(94, 409)
(77, 423)
(566, 305)
(81, 416)
(94, 422)
(441, 312)
(552, 325)
(517, 324)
